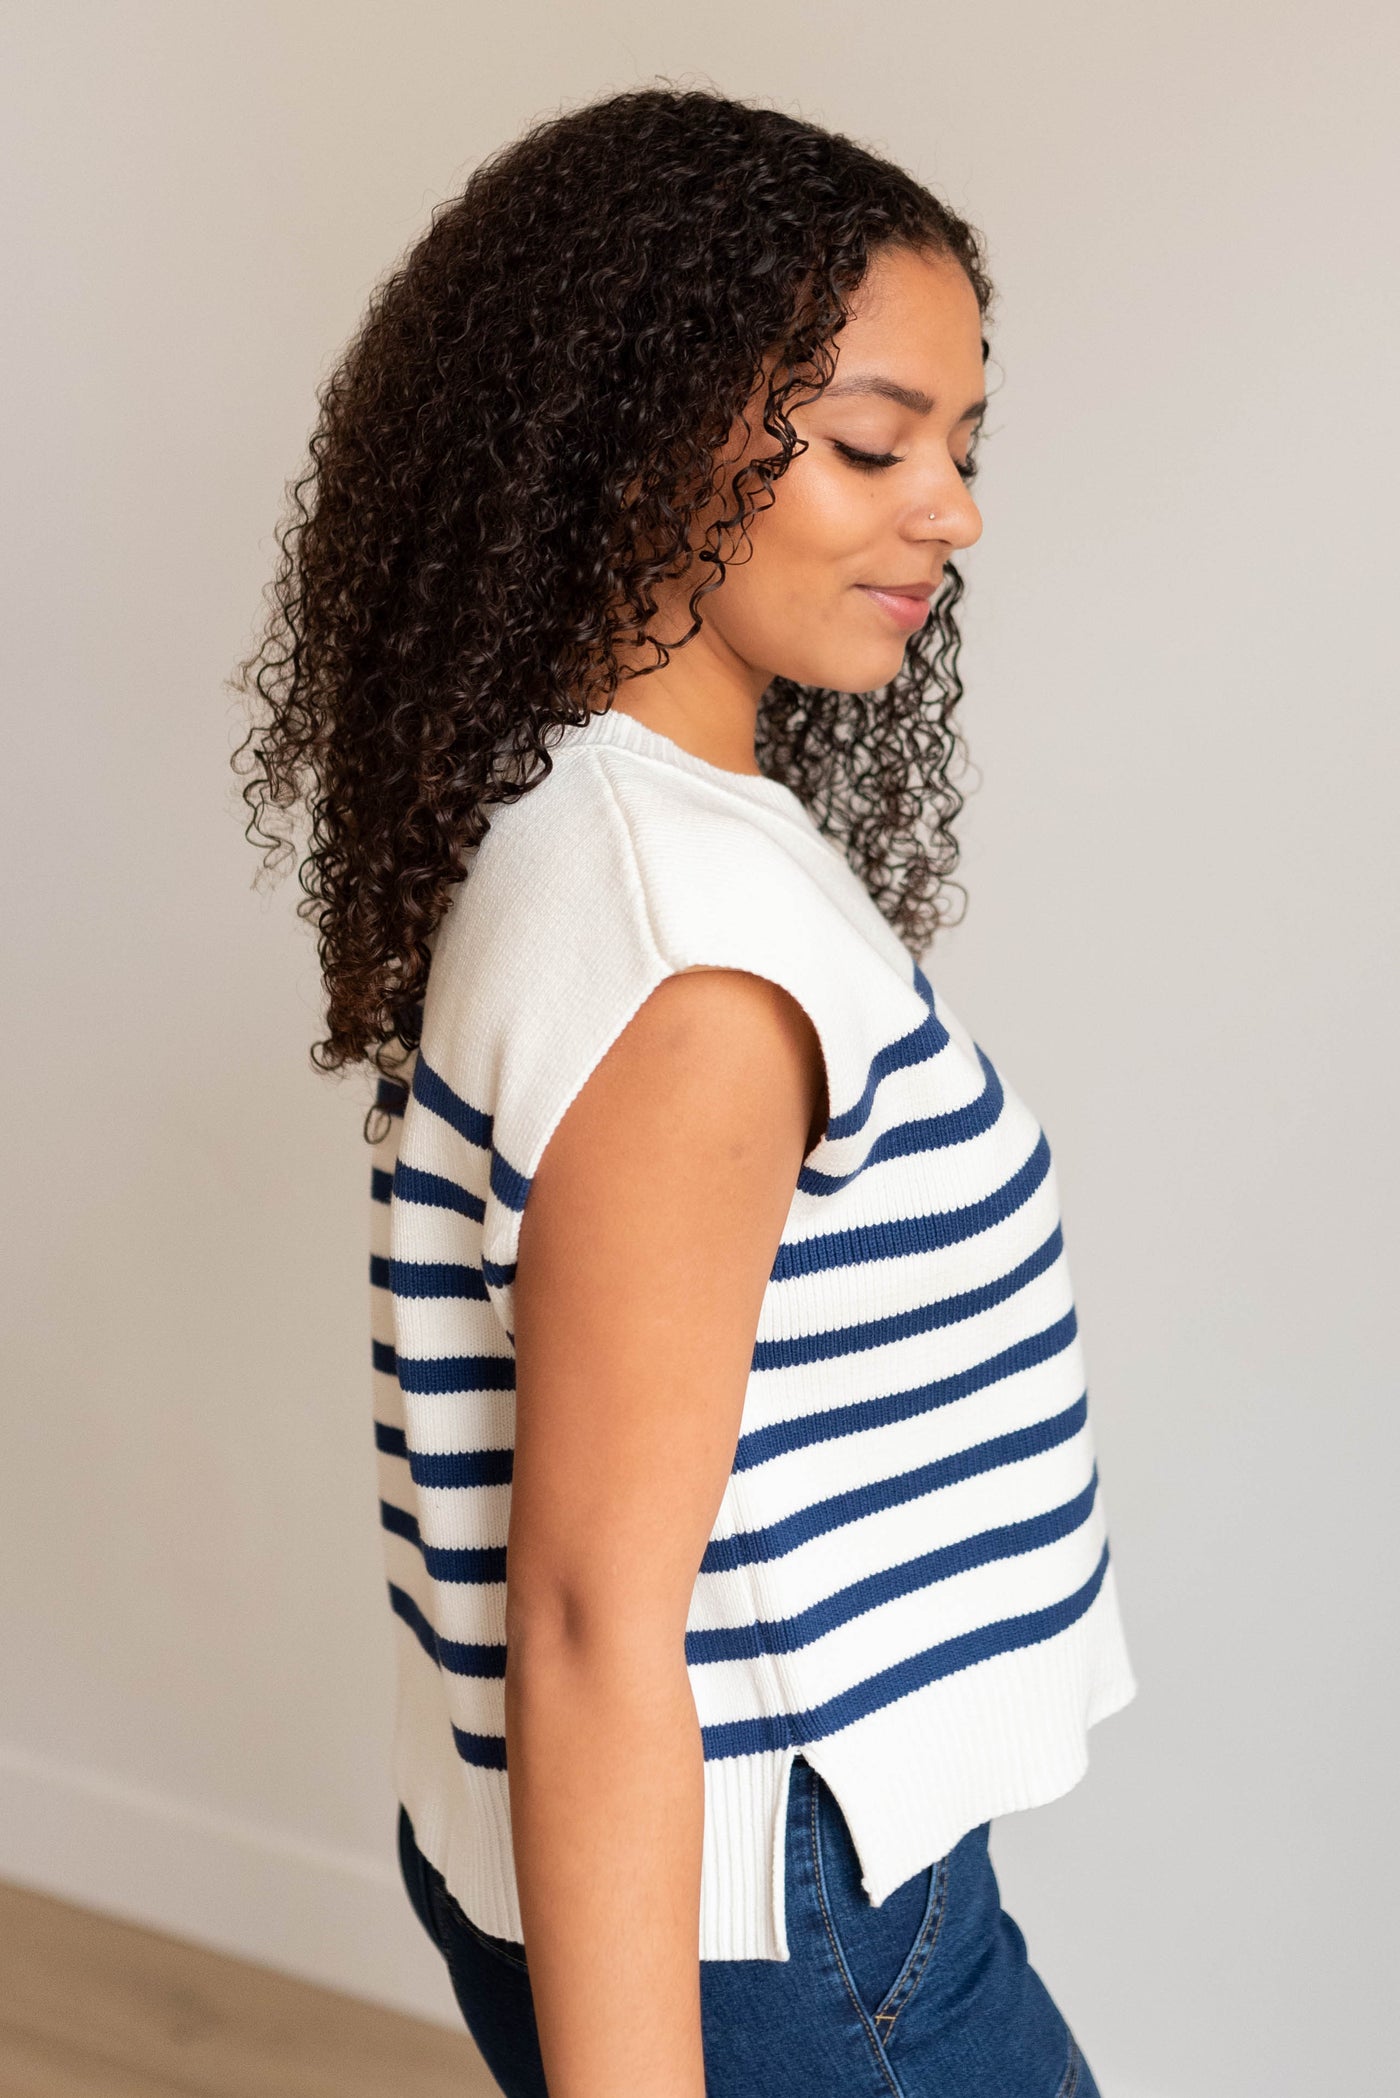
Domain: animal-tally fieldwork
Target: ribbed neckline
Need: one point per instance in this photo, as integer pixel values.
(625, 729)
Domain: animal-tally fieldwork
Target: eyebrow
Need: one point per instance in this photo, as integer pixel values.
(907, 396)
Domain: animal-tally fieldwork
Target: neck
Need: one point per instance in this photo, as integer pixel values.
(705, 699)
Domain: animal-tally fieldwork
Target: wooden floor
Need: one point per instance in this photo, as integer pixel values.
(92, 2008)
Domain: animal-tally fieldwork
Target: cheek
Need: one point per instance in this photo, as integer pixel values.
(825, 508)
(808, 546)
(791, 605)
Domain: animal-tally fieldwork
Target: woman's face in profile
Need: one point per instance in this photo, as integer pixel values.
(802, 602)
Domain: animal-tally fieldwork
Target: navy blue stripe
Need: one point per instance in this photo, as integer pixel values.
(786, 1635)
(445, 1375)
(477, 1564)
(831, 1341)
(776, 1540)
(508, 1185)
(381, 1184)
(392, 1095)
(464, 1468)
(501, 1273)
(470, 1468)
(752, 1737)
(384, 1357)
(429, 1278)
(445, 1467)
(902, 1236)
(435, 1191)
(760, 1445)
(403, 1605)
(400, 1523)
(512, 1186)
(455, 1655)
(956, 1125)
(486, 1751)
(450, 1467)
(752, 1547)
(461, 1467)
(433, 1092)
(925, 1041)
(493, 1467)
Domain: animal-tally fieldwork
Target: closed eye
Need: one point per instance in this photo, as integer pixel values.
(874, 462)
(869, 461)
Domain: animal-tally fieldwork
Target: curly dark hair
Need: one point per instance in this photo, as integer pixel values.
(509, 456)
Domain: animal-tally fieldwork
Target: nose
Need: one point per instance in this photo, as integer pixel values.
(955, 516)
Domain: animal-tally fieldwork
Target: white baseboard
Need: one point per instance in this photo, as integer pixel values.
(323, 1915)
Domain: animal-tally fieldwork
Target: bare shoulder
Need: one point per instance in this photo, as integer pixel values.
(716, 1061)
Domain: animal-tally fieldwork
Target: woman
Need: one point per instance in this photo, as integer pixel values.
(718, 1280)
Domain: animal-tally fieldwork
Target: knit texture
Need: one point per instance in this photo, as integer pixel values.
(908, 1580)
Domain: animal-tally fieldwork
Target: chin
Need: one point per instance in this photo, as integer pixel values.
(851, 670)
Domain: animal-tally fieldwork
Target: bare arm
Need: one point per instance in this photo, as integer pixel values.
(648, 1238)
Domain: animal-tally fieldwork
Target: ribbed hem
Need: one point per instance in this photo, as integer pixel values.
(460, 1813)
(911, 1780)
(1010, 1733)
(744, 1877)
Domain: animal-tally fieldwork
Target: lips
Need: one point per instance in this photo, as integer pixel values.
(905, 603)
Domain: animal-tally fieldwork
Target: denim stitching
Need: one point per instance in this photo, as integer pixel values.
(859, 2007)
(1069, 2082)
(905, 1984)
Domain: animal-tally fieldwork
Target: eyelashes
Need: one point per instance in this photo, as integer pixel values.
(875, 462)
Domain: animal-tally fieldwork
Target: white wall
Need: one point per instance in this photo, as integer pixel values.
(1182, 700)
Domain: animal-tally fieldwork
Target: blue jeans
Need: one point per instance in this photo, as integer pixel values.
(930, 1995)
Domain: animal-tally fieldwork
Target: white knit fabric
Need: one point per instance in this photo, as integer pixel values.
(908, 1579)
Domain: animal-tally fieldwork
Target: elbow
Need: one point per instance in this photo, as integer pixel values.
(562, 1626)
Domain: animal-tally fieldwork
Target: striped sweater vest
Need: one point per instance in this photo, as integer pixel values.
(908, 1581)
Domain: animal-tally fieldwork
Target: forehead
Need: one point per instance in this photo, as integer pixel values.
(915, 320)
